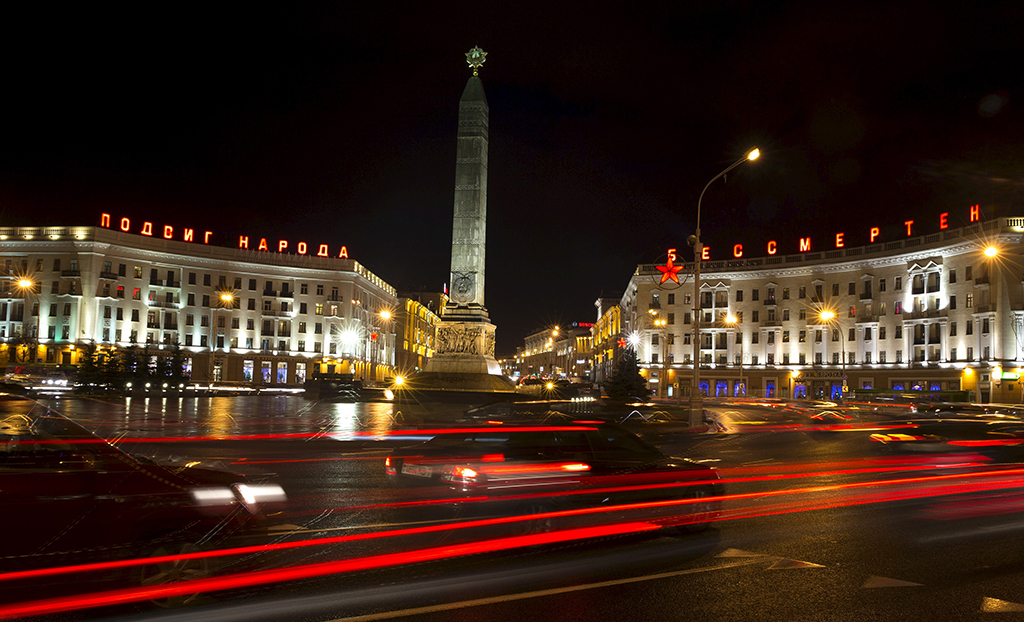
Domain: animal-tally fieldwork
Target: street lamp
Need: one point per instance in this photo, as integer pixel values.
(28, 286)
(828, 316)
(696, 398)
(734, 321)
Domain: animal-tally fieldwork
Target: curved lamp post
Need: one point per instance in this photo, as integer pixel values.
(696, 398)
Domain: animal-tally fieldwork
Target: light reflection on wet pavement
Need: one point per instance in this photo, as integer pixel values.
(227, 417)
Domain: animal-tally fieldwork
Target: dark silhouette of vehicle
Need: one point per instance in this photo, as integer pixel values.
(524, 468)
(70, 497)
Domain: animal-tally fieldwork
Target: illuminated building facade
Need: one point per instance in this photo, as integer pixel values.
(928, 313)
(606, 333)
(239, 315)
(417, 322)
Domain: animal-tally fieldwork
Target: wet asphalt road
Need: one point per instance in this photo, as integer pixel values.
(820, 526)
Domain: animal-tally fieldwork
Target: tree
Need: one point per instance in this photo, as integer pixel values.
(626, 383)
(88, 368)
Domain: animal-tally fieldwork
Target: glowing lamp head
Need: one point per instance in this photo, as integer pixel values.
(25, 283)
(385, 315)
(731, 319)
(968, 372)
(399, 381)
(828, 315)
(753, 155)
(796, 373)
(227, 297)
(991, 251)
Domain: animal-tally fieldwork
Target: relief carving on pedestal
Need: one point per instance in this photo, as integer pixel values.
(489, 345)
(458, 340)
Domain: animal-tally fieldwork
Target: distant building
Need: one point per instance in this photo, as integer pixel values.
(416, 329)
(606, 333)
(239, 315)
(927, 313)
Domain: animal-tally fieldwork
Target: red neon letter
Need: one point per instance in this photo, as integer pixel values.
(323, 251)
(874, 233)
(283, 244)
(263, 245)
(168, 232)
(805, 245)
(147, 228)
(344, 253)
(839, 240)
(943, 220)
(737, 250)
(301, 248)
(671, 254)
(105, 220)
(975, 213)
(190, 235)
(908, 224)
(125, 224)
(206, 237)
(705, 253)
(243, 241)
(772, 247)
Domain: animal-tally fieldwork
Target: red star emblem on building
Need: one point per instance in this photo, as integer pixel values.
(622, 343)
(669, 271)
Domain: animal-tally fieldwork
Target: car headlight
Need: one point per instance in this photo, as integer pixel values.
(250, 496)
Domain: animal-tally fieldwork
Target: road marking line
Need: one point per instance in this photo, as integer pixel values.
(994, 605)
(874, 581)
(787, 564)
(401, 613)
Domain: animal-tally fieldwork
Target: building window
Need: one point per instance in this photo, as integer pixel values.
(970, 301)
(250, 323)
(206, 282)
(952, 302)
(867, 357)
(671, 319)
(754, 315)
(785, 293)
(319, 290)
(318, 328)
(952, 329)
(852, 334)
(190, 319)
(785, 358)
(739, 295)
(984, 327)
(671, 299)
(952, 355)
(970, 354)
(319, 309)
(897, 307)
(985, 352)
(952, 276)
(803, 336)
(968, 276)
(120, 313)
(135, 315)
(881, 356)
(266, 305)
(771, 337)
(754, 337)
(755, 295)
(970, 327)
(204, 320)
(803, 292)
(881, 285)
(881, 332)
(867, 333)
(206, 300)
(899, 332)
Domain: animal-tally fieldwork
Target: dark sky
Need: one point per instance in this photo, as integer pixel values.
(337, 125)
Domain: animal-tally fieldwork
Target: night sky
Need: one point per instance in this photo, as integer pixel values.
(338, 125)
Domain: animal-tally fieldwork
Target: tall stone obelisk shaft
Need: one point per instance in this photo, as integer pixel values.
(469, 229)
(465, 336)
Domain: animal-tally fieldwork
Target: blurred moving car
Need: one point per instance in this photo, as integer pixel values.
(997, 437)
(532, 469)
(70, 497)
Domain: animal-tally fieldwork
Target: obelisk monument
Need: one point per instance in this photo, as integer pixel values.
(465, 337)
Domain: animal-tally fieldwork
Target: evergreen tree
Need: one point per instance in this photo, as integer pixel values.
(88, 370)
(626, 383)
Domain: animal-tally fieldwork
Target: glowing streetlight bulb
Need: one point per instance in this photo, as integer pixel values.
(827, 315)
(25, 283)
(991, 251)
(385, 315)
(753, 155)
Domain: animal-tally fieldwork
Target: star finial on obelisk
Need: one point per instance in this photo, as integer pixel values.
(476, 58)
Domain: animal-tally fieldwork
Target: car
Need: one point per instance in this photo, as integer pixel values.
(71, 497)
(525, 468)
(996, 437)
